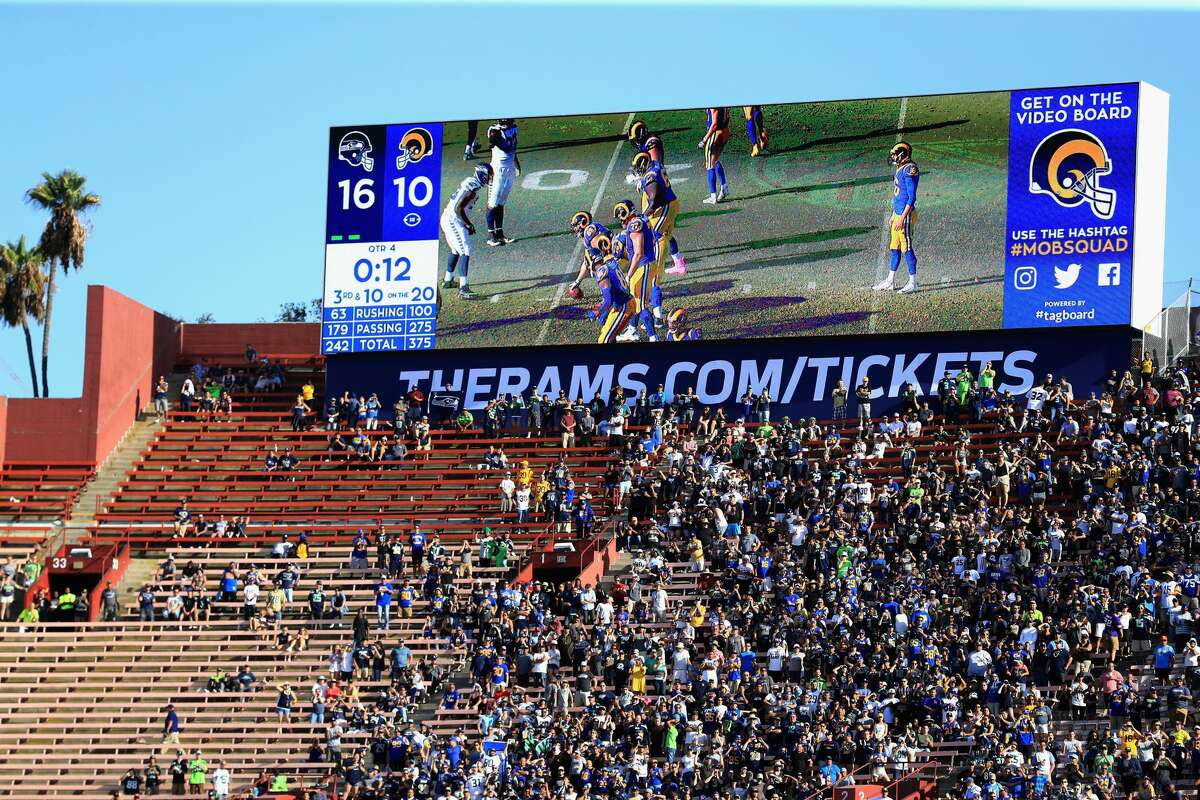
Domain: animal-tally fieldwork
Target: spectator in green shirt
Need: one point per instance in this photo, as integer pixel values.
(987, 378)
(963, 381)
(197, 773)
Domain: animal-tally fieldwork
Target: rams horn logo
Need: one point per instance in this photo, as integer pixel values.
(355, 150)
(414, 145)
(1067, 165)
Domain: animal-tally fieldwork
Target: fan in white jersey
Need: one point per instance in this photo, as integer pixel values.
(506, 166)
(457, 228)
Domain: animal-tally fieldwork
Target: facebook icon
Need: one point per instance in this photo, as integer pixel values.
(1110, 275)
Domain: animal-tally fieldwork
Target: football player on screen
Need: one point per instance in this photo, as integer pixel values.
(660, 206)
(644, 141)
(503, 140)
(637, 243)
(617, 306)
(457, 228)
(713, 144)
(678, 329)
(587, 229)
(904, 218)
(756, 130)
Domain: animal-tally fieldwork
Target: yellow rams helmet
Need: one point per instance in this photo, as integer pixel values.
(414, 146)
(1067, 166)
(623, 210)
(677, 319)
(641, 163)
(638, 131)
(580, 220)
(900, 153)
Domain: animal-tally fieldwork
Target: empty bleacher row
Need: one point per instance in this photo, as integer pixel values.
(40, 491)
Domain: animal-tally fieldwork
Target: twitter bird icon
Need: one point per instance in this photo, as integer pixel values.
(1064, 278)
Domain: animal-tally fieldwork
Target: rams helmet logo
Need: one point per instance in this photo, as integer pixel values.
(638, 131)
(622, 210)
(602, 244)
(580, 220)
(677, 319)
(1067, 165)
(900, 153)
(414, 145)
(355, 150)
(641, 163)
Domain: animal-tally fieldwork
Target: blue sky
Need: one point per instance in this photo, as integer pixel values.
(203, 126)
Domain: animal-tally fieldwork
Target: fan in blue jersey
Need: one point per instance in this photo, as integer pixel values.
(904, 218)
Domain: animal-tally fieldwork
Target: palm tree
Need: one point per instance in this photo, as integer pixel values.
(66, 197)
(22, 292)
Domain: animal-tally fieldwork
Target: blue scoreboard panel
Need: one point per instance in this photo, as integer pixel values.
(381, 238)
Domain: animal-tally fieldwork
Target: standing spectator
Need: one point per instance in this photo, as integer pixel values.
(197, 773)
(109, 603)
(863, 393)
(383, 603)
(161, 401)
(220, 781)
(567, 423)
(187, 394)
(840, 396)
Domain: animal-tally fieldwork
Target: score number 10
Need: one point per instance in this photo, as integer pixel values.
(418, 192)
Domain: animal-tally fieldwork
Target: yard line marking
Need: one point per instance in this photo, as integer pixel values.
(882, 270)
(577, 253)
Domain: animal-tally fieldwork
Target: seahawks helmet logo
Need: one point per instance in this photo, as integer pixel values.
(414, 145)
(355, 150)
(1068, 165)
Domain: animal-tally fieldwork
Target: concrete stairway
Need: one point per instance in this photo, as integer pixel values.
(119, 463)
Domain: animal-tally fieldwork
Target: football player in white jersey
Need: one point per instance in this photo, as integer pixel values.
(457, 227)
(506, 167)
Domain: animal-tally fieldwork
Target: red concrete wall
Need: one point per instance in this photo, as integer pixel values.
(52, 429)
(229, 340)
(3, 427)
(128, 346)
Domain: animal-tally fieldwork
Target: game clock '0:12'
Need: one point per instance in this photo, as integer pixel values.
(389, 269)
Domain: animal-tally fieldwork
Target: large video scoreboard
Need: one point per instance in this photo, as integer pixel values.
(1034, 208)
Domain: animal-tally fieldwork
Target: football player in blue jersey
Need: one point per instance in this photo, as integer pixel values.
(507, 167)
(644, 141)
(660, 206)
(678, 329)
(587, 230)
(756, 130)
(904, 218)
(716, 135)
(637, 243)
(458, 229)
(617, 306)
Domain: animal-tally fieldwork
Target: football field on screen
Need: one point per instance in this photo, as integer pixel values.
(794, 249)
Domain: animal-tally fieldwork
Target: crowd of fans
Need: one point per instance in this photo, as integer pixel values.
(1008, 585)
